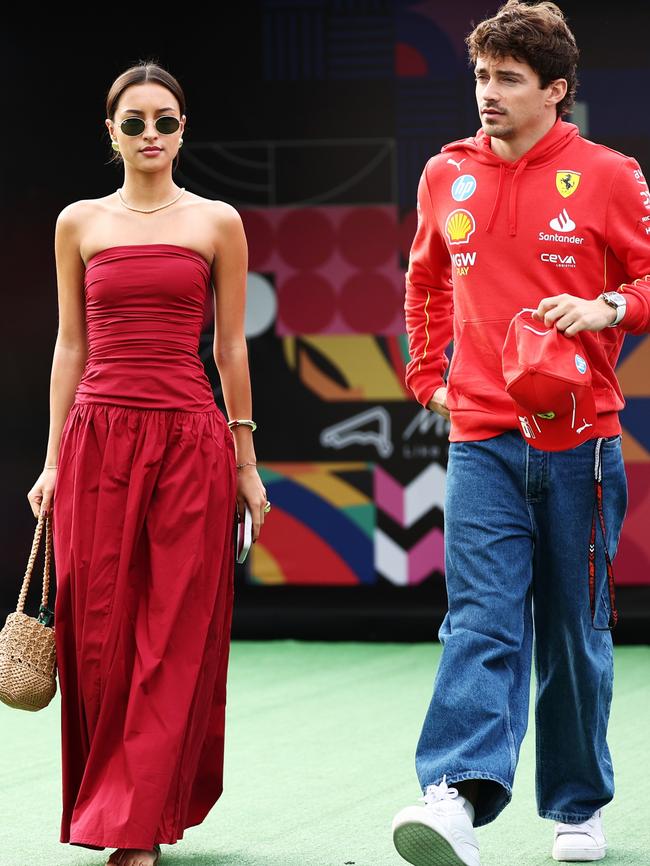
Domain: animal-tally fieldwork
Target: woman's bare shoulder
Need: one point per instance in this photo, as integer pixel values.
(220, 211)
(77, 213)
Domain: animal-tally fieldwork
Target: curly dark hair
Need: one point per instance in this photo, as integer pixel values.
(536, 34)
(145, 70)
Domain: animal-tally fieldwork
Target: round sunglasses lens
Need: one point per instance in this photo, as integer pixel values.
(167, 125)
(132, 126)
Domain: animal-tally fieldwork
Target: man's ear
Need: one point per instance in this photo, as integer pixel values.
(557, 91)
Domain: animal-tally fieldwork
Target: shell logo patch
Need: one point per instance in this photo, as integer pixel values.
(460, 226)
(567, 182)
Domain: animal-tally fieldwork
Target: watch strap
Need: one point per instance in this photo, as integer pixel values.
(619, 307)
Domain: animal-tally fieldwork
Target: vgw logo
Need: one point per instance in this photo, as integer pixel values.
(463, 262)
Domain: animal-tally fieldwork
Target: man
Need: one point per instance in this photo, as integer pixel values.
(526, 214)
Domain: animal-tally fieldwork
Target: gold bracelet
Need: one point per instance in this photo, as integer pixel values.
(249, 463)
(242, 422)
(51, 466)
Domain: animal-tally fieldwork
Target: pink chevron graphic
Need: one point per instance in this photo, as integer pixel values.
(407, 568)
(389, 495)
(407, 503)
(426, 556)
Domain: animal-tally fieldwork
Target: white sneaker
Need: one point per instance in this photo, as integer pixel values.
(580, 842)
(440, 833)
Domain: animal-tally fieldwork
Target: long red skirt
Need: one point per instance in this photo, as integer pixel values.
(142, 521)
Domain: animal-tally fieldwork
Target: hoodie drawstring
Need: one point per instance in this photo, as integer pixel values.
(542, 153)
(497, 200)
(512, 201)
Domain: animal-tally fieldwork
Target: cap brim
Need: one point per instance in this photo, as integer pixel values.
(562, 432)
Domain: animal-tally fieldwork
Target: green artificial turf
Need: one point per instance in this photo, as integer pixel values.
(319, 756)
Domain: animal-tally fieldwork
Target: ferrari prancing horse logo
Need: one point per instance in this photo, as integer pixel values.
(567, 182)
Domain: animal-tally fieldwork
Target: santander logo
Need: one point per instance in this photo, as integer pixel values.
(562, 222)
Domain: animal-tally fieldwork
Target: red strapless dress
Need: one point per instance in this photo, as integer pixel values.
(142, 520)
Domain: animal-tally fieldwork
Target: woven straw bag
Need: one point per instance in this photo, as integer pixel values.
(27, 647)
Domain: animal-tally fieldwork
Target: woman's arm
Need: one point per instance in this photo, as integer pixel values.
(70, 349)
(230, 269)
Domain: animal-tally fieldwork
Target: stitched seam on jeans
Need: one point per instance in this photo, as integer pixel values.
(527, 452)
(452, 778)
(533, 535)
(607, 636)
(508, 723)
(565, 817)
(538, 733)
(479, 774)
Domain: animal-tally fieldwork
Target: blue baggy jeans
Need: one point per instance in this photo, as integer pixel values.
(517, 530)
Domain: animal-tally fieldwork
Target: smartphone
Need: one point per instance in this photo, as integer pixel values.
(244, 534)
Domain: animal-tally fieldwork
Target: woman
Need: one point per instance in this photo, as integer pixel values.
(142, 477)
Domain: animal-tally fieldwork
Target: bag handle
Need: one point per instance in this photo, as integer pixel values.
(45, 615)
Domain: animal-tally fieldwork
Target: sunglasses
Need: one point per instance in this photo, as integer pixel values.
(136, 125)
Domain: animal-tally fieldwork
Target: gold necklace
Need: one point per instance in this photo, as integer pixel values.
(151, 209)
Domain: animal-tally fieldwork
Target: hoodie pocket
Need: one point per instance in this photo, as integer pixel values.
(475, 379)
(606, 389)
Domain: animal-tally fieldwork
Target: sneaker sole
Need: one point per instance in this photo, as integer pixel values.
(578, 855)
(420, 845)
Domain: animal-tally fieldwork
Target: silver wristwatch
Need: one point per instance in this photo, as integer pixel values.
(618, 302)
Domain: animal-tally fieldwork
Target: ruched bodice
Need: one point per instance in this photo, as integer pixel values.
(145, 309)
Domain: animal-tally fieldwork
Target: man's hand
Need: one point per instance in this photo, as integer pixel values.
(438, 403)
(571, 315)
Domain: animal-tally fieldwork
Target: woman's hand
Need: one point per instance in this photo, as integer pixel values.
(251, 492)
(41, 495)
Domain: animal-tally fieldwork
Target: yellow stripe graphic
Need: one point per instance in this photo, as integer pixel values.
(426, 329)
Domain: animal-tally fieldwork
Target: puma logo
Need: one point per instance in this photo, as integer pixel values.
(584, 426)
(457, 164)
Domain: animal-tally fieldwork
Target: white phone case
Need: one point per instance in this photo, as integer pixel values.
(244, 535)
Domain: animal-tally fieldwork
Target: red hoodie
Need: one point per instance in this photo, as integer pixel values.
(569, 216)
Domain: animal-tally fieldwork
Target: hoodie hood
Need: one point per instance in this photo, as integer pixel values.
(542, 153)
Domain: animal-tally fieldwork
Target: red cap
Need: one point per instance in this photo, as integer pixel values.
(549, 379)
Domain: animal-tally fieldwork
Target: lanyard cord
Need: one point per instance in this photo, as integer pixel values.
(598, 509)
